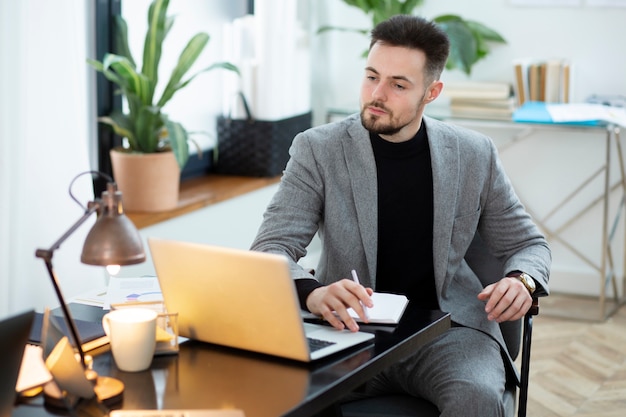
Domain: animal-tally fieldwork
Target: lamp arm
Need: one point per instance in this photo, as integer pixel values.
(46, 255)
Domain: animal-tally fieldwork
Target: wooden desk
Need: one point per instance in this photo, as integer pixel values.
(209, 376)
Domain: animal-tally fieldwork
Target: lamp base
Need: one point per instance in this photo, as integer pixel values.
(109, 391)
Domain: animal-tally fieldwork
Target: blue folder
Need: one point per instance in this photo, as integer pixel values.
(537, 112)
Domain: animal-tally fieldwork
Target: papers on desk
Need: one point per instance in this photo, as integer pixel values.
(570, 113)
(132, 291)
(388, 308)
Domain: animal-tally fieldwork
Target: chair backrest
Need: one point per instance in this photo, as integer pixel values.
(489, 270)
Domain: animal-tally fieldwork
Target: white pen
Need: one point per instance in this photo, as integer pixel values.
(355, 278)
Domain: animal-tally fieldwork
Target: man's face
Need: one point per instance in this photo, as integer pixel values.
(393, 94)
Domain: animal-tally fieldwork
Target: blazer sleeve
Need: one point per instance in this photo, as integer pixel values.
(292, 216)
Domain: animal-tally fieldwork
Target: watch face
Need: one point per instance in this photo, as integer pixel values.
(528, 282)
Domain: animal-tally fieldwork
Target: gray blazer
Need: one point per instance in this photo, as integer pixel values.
(329, 187)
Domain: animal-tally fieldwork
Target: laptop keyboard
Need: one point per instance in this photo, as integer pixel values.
(317, 344)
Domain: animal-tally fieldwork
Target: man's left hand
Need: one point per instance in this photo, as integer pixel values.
(506, 300)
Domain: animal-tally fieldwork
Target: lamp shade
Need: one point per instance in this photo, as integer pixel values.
(113, 239)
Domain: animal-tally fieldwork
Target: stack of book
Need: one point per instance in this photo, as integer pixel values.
(542, 80)
(483, 100)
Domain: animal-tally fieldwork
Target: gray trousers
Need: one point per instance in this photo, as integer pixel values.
(462, 372)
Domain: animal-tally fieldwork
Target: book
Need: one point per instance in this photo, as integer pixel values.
(388, 308)
(534, 82)
(496, 109)
(90, 331)
(477, 90)
(501, 103)
(553, 81)
(483, 114)
(566, 71)
(546, 80)
(520, 86)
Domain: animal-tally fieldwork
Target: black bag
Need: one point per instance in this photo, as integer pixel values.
(256, 148)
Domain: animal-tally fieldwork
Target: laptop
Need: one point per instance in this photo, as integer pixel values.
(14, 332)
(242, 299)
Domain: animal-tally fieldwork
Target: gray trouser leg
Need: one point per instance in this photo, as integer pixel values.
(462, 372)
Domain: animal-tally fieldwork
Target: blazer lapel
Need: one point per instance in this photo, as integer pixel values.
(444, 155)
(363, 179)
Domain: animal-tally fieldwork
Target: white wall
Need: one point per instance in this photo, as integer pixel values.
(45, 130)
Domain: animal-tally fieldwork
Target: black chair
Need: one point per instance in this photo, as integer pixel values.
(517, 333)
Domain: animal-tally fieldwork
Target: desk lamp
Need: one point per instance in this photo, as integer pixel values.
(113, 240)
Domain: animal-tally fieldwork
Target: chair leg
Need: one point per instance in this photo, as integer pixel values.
(525, 371)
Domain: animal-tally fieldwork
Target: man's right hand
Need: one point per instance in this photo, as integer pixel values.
(332, 303)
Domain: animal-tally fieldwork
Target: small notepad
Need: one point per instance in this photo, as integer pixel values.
(388, 308)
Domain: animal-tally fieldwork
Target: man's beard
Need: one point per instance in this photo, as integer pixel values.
(373, 124)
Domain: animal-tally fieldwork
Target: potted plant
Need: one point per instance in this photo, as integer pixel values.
(151, 136)
(469, 40)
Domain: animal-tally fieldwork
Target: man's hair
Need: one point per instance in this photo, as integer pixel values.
(415, 32)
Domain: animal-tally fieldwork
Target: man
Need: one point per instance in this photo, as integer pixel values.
(399, 197)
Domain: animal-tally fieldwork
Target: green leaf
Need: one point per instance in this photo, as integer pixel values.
(154, 41)
(410, 5)
(342, 29)
(187, 58)
(483, 32)
(463, 46)
(121, 40)
(364, 5)
(177, 138)
(133, 81)
(120, 124)
(110, 75)
(148, 123)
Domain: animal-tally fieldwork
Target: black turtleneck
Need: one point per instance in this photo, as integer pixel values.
(405, 218)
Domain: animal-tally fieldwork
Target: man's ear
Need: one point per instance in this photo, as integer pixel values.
(434, 90)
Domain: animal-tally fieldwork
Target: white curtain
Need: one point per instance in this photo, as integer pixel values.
(46, 127)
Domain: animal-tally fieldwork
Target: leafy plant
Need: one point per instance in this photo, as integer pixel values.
(146, 127)
(469, 40)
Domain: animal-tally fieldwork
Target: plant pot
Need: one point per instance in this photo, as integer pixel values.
(148, 182)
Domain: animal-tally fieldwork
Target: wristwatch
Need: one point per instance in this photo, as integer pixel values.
(528, 282)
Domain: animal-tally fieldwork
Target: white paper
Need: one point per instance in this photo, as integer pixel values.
(581, 112)
(132, 290)
(388, 308)
(96, 298)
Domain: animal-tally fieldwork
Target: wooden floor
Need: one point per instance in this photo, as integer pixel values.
(577, 368)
